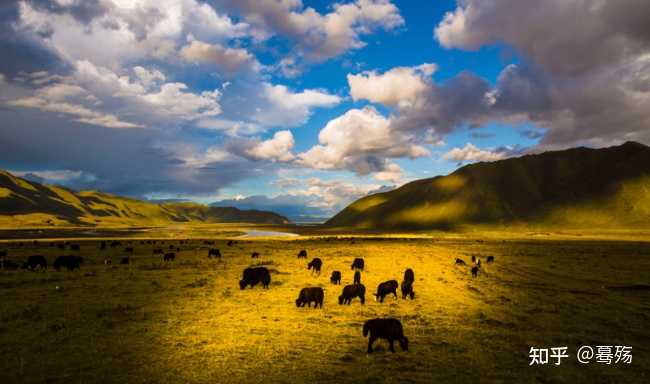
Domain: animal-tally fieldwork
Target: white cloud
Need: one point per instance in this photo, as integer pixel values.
(397, 86)
(277, 148)
(359, 140)
(471, 153)
(216, 55)
(287, 108)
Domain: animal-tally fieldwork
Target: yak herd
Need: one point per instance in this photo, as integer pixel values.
(389, 329)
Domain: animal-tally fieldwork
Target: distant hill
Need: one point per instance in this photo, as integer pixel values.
(25, 203)
(579, 187)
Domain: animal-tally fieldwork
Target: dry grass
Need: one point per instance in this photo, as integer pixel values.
(189, 322)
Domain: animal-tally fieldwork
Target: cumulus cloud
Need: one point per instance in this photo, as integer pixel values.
(216, 55)
(318, 36)
(471, 153)
(283, 107)
(396, 86)
(583, 82)
(360, 140)
(278, 148)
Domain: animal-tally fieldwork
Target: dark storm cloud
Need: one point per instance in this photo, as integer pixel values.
(132, 162)
(585, 76)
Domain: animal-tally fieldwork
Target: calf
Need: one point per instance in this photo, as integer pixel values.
(214, 253)
(169, 256)
(490, 259)
(336, 277)
(388, 329)
(316, 264)
(69, 262)
(357, 277)
(409, 275)
(307, 295)
(407, 289)
(302, 254)
(35, 261)
(386, 288)
(255, 255)
(357, 264)
(460, 262)
(352, 291)
(254, 275)
(475, 270)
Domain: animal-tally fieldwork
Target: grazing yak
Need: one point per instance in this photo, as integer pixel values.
(69, 262)
(309, 295)
(475, 270)
(255, 255)
(490, 259)
(125, 260)
(169, 256)
(315, 265)
(336, 277)
(302, 254)
(407, 289)
(460, 262)
(255, 275)
(214, 253)
(388, 329)
(409, 275)
(352, 291)
(230, 243)
(357, 277)
(385, 288)
(35, 261)
(357, 264)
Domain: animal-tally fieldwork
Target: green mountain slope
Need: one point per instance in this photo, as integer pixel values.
(576, 188)
(24, 203)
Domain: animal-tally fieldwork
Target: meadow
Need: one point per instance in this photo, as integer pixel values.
(188, 321)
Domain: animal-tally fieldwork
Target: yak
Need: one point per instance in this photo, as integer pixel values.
(254, 275)
(213, 252)
(386, 288)
(388, 329)
(35, 261)
(409, 275)
(336, 277)
(69, 262)
(316, 264)
(475, 270)
(352, 291)
(309, 295)
(490, 259)
(357, 264)
(407, 289)
(169, 256)
(460, 262)
(302, 254)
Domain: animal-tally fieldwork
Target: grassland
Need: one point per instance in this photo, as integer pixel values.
(188, 321)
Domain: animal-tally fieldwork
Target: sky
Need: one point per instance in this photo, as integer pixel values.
(309, 104)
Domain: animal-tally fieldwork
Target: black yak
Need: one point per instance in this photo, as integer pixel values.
(316, 264)
(352, 291)
(473, 259)
(407, 289)
(169, 256)
(357, 264)
(255, 255)
(302, 254)
(309, 295)
(409, 275)
(214, 253)
(388, 329)
(490, 259)
(125, 260)
(460, 262)
(158, 251)
(35, 261)
(255, 275)
(475, 271)
(336, 277)
(357, 277)
(230, 243)
(386, 288)
(69, 262)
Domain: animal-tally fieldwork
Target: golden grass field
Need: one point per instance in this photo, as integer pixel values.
(188, 321)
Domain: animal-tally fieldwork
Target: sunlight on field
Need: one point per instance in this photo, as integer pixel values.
(188, 321)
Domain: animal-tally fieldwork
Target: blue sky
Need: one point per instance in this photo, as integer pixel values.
(312, 102)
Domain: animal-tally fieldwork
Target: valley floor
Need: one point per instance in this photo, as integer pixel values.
(188, 321)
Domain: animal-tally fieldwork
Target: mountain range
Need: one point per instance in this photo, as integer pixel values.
(25, 203)
(578, 187)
